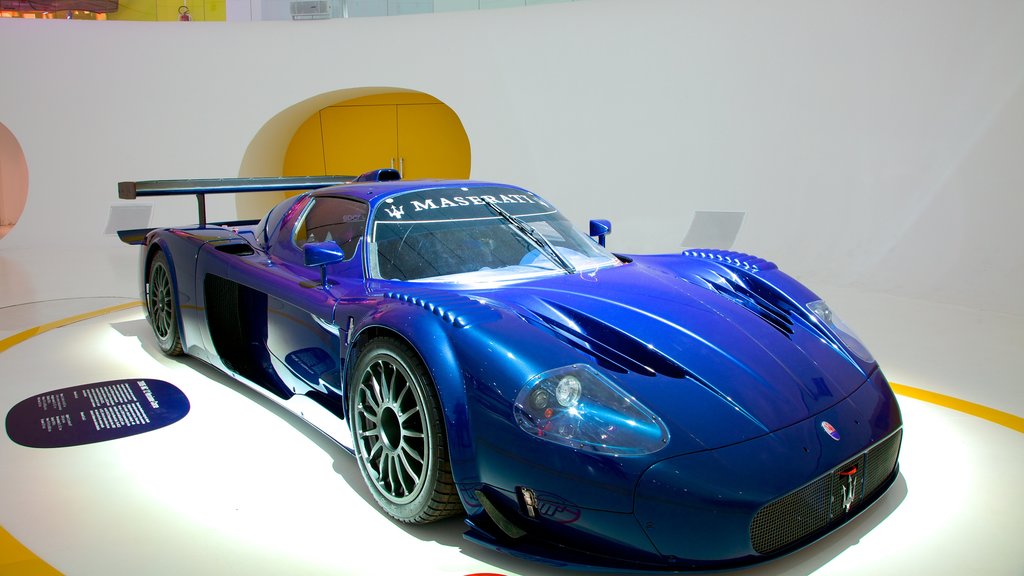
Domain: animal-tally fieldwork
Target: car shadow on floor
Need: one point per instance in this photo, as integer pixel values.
(449, 532)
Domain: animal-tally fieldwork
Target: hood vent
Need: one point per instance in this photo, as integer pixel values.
(615, 349)
(765, 303)
(743, 286)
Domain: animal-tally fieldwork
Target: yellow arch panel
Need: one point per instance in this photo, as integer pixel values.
(411, 131)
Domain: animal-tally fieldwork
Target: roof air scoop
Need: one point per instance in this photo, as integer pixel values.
(380, 175)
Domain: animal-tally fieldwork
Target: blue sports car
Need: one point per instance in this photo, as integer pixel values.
(480, 356)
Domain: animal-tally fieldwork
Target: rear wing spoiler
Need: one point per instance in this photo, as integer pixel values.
(200, 188)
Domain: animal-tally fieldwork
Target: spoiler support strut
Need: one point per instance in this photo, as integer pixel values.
(201, 199)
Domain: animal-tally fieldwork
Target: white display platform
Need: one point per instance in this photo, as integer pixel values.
(242, 486)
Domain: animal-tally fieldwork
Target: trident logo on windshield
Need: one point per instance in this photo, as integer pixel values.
(396, 212)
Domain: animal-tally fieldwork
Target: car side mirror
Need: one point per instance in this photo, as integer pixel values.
(321, 254)
(600, 229)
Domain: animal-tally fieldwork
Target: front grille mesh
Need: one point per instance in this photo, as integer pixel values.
(824, 501)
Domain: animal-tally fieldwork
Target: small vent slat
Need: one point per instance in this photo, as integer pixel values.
(735, 259)
(457, 310)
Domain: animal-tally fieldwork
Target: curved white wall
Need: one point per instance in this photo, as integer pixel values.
(873, 143)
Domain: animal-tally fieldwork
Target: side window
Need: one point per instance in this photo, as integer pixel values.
(333, 219)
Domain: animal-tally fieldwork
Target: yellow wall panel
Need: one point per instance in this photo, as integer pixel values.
(215, 11)
(134, 10)
(305, 155)
(358, 139)
(168, 10)
(432, 142)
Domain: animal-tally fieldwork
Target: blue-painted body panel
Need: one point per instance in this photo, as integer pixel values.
(720, 346)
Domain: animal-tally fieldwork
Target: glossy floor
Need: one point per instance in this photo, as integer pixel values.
(241, 486)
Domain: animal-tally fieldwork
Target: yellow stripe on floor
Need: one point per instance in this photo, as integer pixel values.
(1011, 421)
(20, 337)
(16, 560)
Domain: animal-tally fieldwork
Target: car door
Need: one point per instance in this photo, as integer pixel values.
(305, 344)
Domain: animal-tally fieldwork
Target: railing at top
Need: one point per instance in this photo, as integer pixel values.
(221, 10)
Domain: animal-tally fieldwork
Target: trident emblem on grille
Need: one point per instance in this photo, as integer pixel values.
(850, 488)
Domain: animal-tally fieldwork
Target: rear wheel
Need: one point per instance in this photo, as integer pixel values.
(162, 305)
(399, 434)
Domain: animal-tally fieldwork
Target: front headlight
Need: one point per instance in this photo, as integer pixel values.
(576, 406)
(840, 329)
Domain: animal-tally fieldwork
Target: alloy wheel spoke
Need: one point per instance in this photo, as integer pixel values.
(378, 383)
(403, 416)
(398, 486)
(383, 392)
(390, 466)
(371, 404)
(370, 408)
(415, 455)
(376, 447)
(401, 395)
(396, 381)
(408, 467)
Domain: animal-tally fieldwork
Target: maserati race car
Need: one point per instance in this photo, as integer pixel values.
(480, 356)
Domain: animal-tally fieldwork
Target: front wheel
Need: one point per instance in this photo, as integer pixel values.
(399, 434)
(162, 306)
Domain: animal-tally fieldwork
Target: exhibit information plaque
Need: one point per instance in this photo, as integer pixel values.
(95, 412)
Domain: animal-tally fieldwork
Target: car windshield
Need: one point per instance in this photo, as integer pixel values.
(479, 234)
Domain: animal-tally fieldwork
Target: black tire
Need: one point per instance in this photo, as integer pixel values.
(399, 434)
(162, 305)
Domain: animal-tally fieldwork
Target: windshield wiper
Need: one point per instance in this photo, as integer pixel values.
(534, 237)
